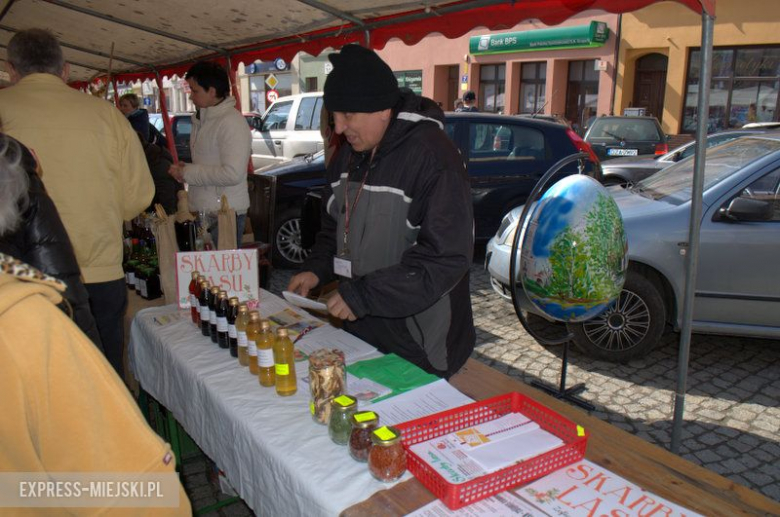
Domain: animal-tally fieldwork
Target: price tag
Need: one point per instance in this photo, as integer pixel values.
(580, 431)
(344, 400)
(282, 369)
(365, 416)
(383, 433)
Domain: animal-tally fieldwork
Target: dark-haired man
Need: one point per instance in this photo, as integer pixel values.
(469, 102)
(93, 165)
(221, 144)
(397, 223)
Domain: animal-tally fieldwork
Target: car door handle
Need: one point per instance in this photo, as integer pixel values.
(278, 143)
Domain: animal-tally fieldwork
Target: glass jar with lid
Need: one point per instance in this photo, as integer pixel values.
(340, 423)
(387, 457)
(363, 424)
(327, 380)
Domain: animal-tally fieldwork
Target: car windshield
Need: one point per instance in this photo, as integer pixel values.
(624, 129)
(674, 183)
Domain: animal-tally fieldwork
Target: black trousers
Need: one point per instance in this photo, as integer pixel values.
(108, 301)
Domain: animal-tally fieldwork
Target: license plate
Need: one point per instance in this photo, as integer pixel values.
(622, 152)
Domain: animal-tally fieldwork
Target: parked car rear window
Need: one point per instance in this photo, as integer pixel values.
(308, 117)
(490, 142)
(639, 129)
(673, 184)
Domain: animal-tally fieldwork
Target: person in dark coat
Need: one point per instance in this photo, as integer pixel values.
(166, 189)
(42, 242)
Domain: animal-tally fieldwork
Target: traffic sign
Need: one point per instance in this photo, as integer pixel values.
(271, 81)
(271, 95)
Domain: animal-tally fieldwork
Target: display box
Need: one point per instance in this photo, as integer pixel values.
(574, 437)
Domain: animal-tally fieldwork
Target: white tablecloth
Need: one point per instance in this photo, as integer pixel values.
(279, 460)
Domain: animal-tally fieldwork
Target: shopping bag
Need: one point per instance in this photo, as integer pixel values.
(226, 226)
(165, 236)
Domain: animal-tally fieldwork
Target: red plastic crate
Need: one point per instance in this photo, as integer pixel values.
(455, 496)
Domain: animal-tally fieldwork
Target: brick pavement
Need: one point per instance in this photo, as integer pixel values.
(732, 407)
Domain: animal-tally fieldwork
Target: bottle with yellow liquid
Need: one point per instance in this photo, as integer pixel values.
(284, 364)
(241, 320)
(265, 355)
(252, 333)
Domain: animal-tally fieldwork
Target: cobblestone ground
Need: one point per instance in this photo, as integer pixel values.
(732, 406)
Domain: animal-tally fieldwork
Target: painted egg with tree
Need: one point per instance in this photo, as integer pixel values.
(574, 252)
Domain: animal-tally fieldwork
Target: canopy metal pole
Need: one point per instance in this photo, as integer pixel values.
(166, 121)
(692, 256)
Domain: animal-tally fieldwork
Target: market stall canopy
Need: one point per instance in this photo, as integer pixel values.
(166, 36)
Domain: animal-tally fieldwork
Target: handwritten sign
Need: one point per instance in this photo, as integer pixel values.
(234, 271)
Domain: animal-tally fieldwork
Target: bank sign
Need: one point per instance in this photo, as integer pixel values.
(595, 34)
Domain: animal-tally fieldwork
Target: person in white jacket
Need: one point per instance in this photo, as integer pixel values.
(221, 144)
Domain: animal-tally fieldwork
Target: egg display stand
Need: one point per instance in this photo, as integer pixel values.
(561, 392)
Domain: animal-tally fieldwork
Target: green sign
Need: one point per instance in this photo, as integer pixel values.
(410, 79)
(594, 34)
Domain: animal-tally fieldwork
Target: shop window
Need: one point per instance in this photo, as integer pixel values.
(744, 88)
(491, 88)
(532, 87)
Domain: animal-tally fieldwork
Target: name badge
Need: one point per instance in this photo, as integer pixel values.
(342, 267)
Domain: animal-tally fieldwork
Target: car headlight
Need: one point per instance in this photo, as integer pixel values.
(510, 236)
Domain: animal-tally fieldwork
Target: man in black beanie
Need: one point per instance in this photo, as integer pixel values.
(397, 222)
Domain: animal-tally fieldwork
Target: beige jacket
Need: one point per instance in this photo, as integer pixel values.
(221, 144)
(93, 165)
(64, 408)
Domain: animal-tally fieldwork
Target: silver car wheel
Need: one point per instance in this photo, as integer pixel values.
(622, 326)
(288, 241)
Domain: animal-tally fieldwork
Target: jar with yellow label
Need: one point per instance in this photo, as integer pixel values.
(363, 424)
(340, 424)
(387, 457)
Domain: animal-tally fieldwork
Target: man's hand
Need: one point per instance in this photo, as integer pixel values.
(176, 170)
(302, 283)
(339, 308)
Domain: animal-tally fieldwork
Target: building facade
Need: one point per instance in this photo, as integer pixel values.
(658, 64)
(566, 69)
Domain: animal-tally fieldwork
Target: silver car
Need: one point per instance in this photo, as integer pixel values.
(737, 284)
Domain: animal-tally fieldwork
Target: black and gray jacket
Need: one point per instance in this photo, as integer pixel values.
(410, 240)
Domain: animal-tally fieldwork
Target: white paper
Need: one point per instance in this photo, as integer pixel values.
(423, 401)
(355, 349)
(503, 453)
(302, 301)
(365, 390)
(505, 503)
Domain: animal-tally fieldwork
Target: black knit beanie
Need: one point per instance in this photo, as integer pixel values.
(360, 82)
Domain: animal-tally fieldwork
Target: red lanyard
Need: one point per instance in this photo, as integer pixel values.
(347, 209)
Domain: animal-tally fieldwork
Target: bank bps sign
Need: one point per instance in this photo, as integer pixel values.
(595, 34)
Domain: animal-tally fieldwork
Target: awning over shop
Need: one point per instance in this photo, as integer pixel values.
(166, 37)
(594, 34)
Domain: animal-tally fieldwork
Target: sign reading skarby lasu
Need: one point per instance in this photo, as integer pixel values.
(234, 271)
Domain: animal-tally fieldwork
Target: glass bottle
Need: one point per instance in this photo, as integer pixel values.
(153, 285)
(193, 289)
(387, 457)
(132, 262)
(363, 424)
(284, 364)
(340, 424)
(213, 297)
(252, 331)
(241, 341)
(231, 320)
(222, 324)
(203, 302)
(265, 355)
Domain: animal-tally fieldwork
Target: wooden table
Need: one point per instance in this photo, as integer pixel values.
(649, 466)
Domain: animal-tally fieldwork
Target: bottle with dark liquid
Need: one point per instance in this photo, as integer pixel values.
(222, 324)
(194, 295)
(231, 321)
(213, 298)
(204, 307)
